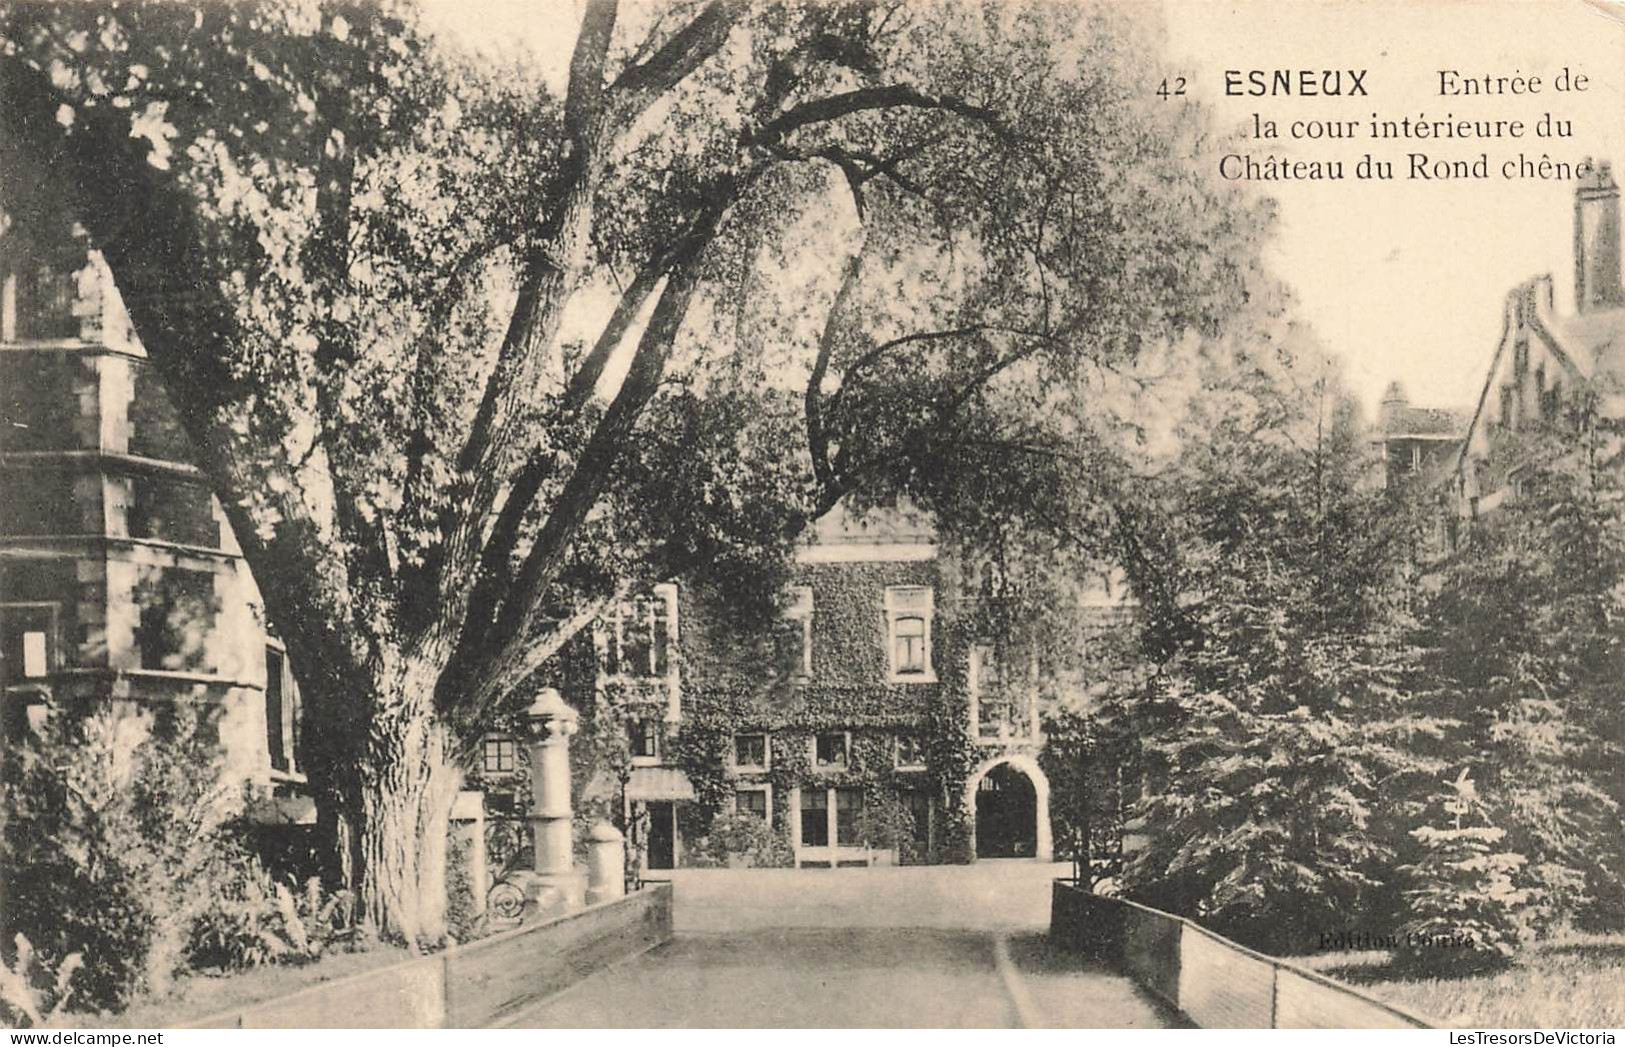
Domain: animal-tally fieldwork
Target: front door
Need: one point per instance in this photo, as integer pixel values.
(662, 836)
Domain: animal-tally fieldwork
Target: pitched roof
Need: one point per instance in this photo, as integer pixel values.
(1594, 341)
(1425, 421)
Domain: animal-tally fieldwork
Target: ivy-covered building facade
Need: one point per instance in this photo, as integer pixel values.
(877, 725)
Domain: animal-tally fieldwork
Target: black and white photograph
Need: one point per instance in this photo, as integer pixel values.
(812, 514)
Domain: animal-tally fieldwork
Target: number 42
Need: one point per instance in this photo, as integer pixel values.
(1171, 88)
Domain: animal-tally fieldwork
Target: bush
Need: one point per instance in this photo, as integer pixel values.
(31, 996)
(739, 839)
(1463, 903)
(465, 921)
(115, 828)
(253, 920)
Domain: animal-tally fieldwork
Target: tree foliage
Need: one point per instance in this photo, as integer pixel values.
(1276, 610)
(1525, 647)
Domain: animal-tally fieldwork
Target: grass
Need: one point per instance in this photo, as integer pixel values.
(201, 995)
(1570, 983)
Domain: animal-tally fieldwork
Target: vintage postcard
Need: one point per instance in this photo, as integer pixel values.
(907, 514)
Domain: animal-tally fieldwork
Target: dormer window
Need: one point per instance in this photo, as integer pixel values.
(909, 609)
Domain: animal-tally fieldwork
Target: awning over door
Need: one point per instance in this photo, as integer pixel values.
(659, 783)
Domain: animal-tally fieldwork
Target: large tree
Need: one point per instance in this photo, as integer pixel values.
(1276, 723)
(837, 245)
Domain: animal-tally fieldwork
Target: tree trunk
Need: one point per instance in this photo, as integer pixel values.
(390, 788)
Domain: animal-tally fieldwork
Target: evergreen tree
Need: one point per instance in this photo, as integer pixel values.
(1526, 648)
(1280, 710)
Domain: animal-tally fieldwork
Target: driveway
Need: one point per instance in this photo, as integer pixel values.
(920, 947)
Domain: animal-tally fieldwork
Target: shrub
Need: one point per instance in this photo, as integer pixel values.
(739, 839)
(31, 996)
(253, 920)
(1464, 906)
(236, 929)
(115, 826)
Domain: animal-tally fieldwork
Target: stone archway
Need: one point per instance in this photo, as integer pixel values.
(1043, 844)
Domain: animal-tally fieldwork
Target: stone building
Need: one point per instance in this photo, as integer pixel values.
(1418, 444)
(876, 724)
(120, 580)
(1551, 371)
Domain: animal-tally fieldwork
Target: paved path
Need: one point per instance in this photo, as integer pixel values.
(931, 947)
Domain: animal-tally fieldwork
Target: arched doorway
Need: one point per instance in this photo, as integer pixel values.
(1008, 800)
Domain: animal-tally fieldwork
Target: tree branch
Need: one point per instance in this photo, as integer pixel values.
(495, 573)
(833, 107)
(639, 85)
(817, 432)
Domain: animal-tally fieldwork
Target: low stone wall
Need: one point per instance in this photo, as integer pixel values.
(1214, 982)
(473, 985)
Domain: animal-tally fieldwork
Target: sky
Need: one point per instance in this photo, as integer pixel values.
(1403, 279)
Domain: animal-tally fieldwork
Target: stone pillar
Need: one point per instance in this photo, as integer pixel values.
(468, 824)
(606, 863)
(554, 885)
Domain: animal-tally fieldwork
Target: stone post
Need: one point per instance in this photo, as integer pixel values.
(606, 863)
(468, 824)
(554, 885)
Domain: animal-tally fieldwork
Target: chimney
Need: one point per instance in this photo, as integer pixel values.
(1596, 241)
(1394, 403)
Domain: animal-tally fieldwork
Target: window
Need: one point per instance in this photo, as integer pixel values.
(500, 755)
(830, 750)
(908, 640)
(40, 303)
(637, 650)
(908, 625)
(750, 752)
(910, 751)
(832, 814)
(177, 613)
(172, 511)
(754, 802)
(282, 713)
(645, 739)
(35, 660)
(27, 641)
(640, 635)
(848, 805)
(997, 714)
(795, 639)
(814, 818)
